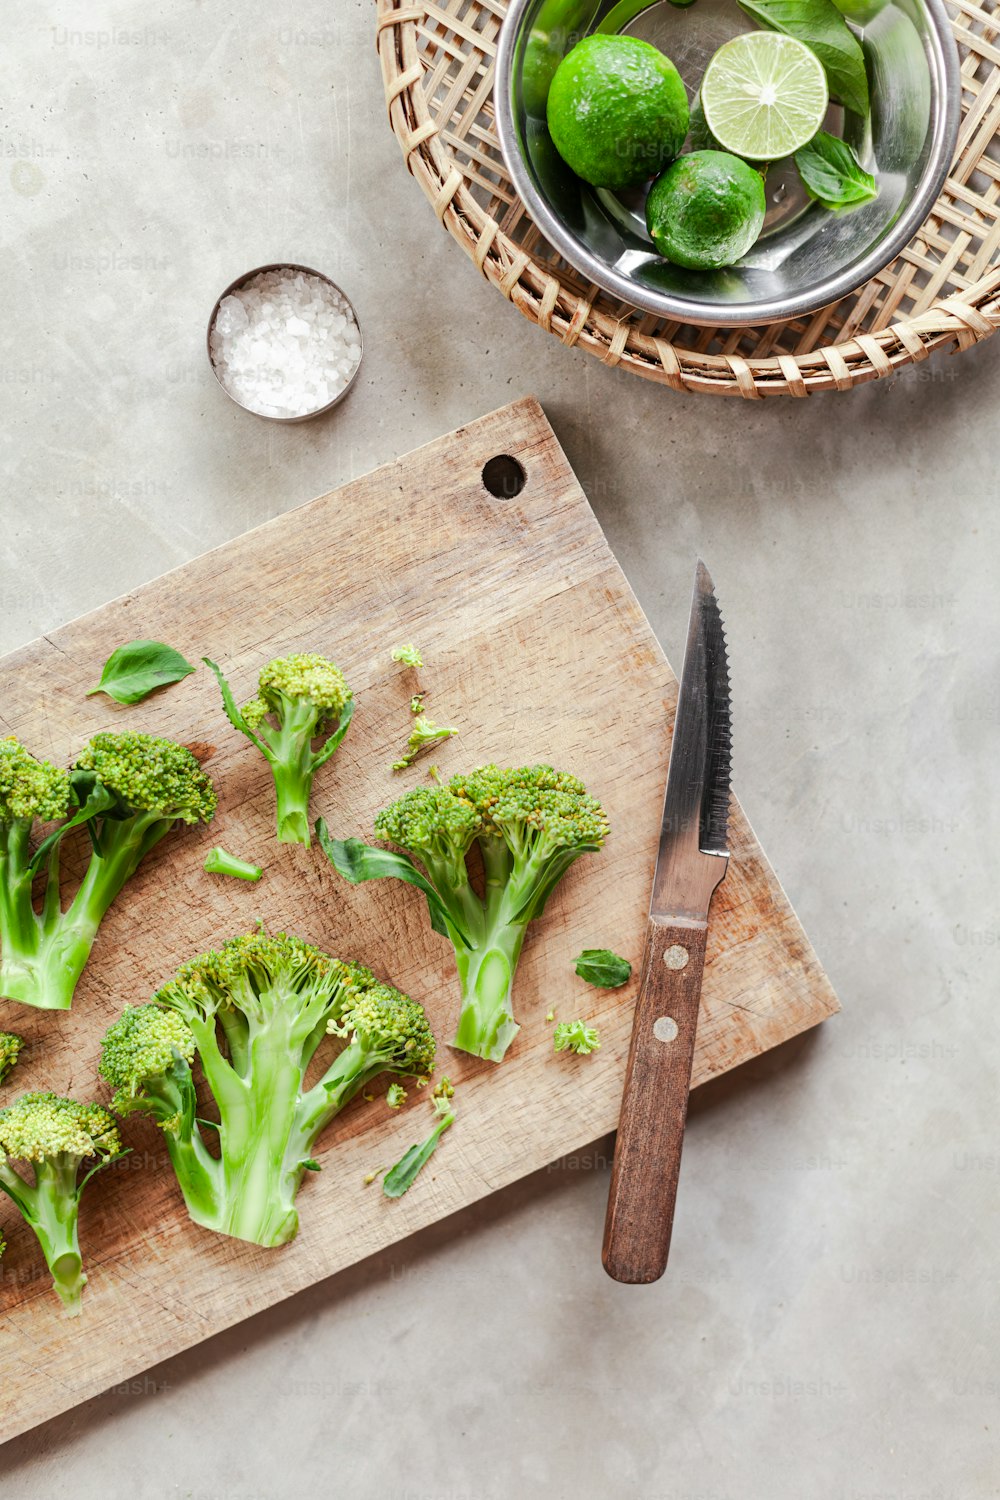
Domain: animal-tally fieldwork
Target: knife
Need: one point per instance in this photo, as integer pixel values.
(692, 860)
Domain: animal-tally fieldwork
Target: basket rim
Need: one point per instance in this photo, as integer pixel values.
(582, 319)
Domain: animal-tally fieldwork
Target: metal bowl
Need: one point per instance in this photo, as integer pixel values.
(241, 281)
(806, 257)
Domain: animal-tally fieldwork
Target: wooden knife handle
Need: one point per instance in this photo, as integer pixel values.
(654, 1105)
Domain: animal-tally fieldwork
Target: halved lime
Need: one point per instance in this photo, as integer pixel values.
(764, 95)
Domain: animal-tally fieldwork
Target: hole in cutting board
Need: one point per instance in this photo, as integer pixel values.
(504, 477)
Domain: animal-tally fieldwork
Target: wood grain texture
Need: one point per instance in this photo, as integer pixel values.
(647, 1162)
(526, 623)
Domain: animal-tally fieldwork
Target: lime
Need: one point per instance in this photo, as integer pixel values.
(764, 95)
(706, 210)
(617, 110)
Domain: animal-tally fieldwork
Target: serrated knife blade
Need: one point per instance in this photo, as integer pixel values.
(693, 858)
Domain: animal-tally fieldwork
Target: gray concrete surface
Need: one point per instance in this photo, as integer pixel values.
(828, 1329)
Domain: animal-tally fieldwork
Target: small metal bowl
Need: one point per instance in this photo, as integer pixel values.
(806, 257)
(241, 281)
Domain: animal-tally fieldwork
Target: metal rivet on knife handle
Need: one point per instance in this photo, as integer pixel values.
(665, 1029)
(676, 957)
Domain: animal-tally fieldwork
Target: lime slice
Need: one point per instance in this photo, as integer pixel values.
(764, 95)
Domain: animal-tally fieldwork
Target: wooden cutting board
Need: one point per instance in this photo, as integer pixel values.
(536, 648)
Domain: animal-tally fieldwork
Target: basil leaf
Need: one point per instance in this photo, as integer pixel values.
(832, 173)
(134, 671)
(820, 25)
(601, 967)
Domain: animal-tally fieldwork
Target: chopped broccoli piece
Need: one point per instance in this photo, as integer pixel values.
(395, 1096)
(550, 1015)
(128, 791)
(530, 824)
(409, 656)
(423, 734)
(417, 703)
(54, 1137)
(444, 1090)
(299, 698)
(400, 1178)
(11, 1048)
(255, 1013)
(219, 861)
(576, 1036)
(602, 968)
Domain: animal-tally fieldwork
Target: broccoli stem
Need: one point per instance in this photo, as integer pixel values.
(173, 1102)
(259, 1189)
(20, 929)
(352, 1069)
(43, 956)
(292, 786)
(267, 1137)
(486, 1025)
(54, 1206)
(293, 765)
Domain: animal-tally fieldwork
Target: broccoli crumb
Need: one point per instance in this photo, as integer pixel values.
(408, 655)
(576, 1036)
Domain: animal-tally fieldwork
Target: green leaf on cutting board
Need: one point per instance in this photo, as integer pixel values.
(832, 173)
(137, 669)
(601, 967)
(820, 25)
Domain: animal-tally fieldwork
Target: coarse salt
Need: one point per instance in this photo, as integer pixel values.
(285, 344)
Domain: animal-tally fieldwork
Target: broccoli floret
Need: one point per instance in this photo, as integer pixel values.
(254, 1014)
(575, 1036)
(530, 823)
(409, 655)
(53, 1137)
(395, 1096)
(128, 791)
(30, 788)
(299, 698)
(10, 1050)
(423, 735)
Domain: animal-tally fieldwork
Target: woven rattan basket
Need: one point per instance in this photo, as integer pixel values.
(943, 290)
